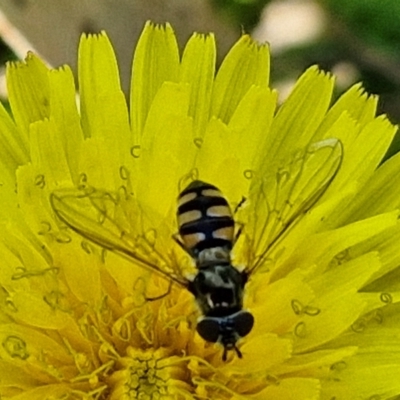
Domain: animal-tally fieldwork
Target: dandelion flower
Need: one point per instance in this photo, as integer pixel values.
(316, 218)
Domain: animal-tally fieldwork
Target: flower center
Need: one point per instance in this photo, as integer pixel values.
(147, 375)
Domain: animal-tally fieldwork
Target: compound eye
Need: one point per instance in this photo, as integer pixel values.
(243, 323)
(209, 329)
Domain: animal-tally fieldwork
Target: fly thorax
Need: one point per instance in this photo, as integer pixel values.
(213, 255)
(218, 290)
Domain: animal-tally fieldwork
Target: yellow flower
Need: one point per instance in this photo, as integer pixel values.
(88, 214)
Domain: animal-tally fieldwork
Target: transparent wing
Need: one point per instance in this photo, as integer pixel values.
(114, 221)
(278, 199)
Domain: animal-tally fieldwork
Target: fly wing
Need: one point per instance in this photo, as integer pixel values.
(114, 221)
(278, 199)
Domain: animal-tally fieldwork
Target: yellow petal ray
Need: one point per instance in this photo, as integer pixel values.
(317, 363)
(386, 244)
(167, 133)
(28, 90)
(347, 276)
(298, 118)
(27, 258)
(363, 155)
(33, 200)
(19, 278)
(48, 158)
(376, 300)
(8, 197)
(229, 146)
(345, 129)
(14, 376)
(95, 173)
(34, 310)
(291, 389)
(156, 61)
(360, 106)
(370, 374)
(337, 313)
(229, 151)
(9, 268)
(273, 316)
(246, 64)
(129, 277)
(98, 78)
(112, 128)
(321, 248)
(198, 69)
(380, 331)
(251, 119)
(217, 147)
(13, 147)
(315, 220)
(261, 353)
(23, 345)
(41, 392)
(379, 194)
(83, 274)
(64, 112)
(112, 144)
(339, 305)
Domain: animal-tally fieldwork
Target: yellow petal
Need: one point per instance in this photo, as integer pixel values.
(261, 353)
(22, 344)
(48, 156)
(156, 61)
(13, 145)
(198, 69)
(321, 248)
(246, 64)
(291, 389)
(28, 90)
(82, 275)
(41, 392)
(278, 316)
(98, 77)
(65, 115)
(167, 149)
(298, 118)
(379, 194)
(362, 156)
(338, 305)
(360, 106)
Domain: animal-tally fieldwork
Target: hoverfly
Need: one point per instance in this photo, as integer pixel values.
(207, 233)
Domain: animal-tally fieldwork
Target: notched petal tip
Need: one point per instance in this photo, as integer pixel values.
(249, 41)
(315, 71)
(203, 36)
(93, 39)
(155, 26)
(30, 59)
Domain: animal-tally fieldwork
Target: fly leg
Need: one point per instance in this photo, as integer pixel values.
(240, 225)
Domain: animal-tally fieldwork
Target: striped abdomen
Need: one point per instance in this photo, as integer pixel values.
(205, 220)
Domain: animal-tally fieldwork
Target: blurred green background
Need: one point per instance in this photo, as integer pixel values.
(358, 40)
(362, 35)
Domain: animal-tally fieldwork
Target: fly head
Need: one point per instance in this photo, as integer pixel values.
(226, 330)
